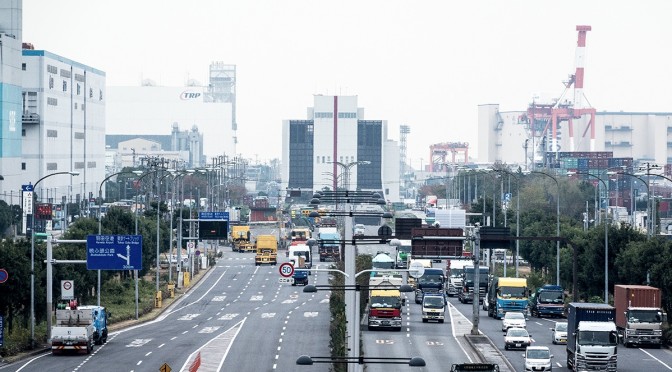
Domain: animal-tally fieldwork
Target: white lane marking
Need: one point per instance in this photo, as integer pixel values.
(452, 326)
(139, 363)
(30, 361)
(160, 346)
(657, 360)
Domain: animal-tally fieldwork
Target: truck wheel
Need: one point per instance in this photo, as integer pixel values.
(424, 320)
(440, 320)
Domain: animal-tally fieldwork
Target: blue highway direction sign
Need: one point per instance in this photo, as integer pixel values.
(114, 252)
(213, 216)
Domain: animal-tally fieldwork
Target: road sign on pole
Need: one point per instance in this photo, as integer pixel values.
(3, 276)
(67, 290)
(114, 252)
(286, 269)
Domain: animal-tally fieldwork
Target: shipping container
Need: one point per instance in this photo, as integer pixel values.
(634, 296)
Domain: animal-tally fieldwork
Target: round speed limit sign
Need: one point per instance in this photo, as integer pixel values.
(286, 269)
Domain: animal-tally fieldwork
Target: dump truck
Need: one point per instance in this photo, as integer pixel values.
(78, 328)
(267, 250)
(241, 239)
(639, 316)
(591, 337)
(385, 309)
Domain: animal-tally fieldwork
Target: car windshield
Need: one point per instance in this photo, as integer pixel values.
(517, 332)
(644, 316)
(538, 354)
(433, 302)
(551, 297)
(597, 338)
(561, 327)
(514, 316)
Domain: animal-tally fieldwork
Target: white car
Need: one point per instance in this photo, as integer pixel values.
(517, 338)
(513, 319)
(538, 358)
(359, 230)
(559, 335)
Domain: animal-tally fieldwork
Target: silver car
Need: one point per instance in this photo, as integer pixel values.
(559, 333)
(517, 338)
(513, 319)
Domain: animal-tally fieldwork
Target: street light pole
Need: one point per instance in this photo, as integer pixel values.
(32, 257)
(557, 226)
(100, 217)
(606, 236)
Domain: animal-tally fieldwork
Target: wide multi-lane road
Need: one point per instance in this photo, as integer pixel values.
(629, 359)
(238, 317)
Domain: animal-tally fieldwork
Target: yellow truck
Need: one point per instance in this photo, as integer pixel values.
(267, 250)
(240, 239)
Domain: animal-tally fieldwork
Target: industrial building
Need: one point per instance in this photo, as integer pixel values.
(150, 109)
(335, 147)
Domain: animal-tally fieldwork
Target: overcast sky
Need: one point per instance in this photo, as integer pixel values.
(426, 64)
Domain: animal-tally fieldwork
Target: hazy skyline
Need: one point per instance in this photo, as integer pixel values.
(424, 64)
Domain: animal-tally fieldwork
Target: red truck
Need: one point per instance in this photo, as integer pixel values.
(639, 317)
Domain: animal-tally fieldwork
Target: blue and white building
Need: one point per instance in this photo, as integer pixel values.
(335, 131)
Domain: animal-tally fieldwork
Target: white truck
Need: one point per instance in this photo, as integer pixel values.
(433, 307)
(454, 270)
(78, 328)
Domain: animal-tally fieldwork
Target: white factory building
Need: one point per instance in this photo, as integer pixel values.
(150, 109)
(336, 147)
(505, 136)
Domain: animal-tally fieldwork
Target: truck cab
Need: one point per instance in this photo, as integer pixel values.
(402, 253)
(466, 292)
(432, 281)
(385, 309)
(507, 294)
(433, 307)
(549, 300)
(267, 250)
(592, 339)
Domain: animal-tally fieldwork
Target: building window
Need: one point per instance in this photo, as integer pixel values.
(79, 88)
(51, 101)
(52, 133)
(79, 77)
(66, 73)
(51, 82)
(79, 165)
(65, 86)
(23, 132)
(318, 160)
(52, 69)
(23, 166)
(23, 66)
(90, 93)
(347, 115)
(79, 135)
(52, 166)
(100, 94)
(91, 164)
(324, 115)
(328, 159)
(75, 105)
(323, 159)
